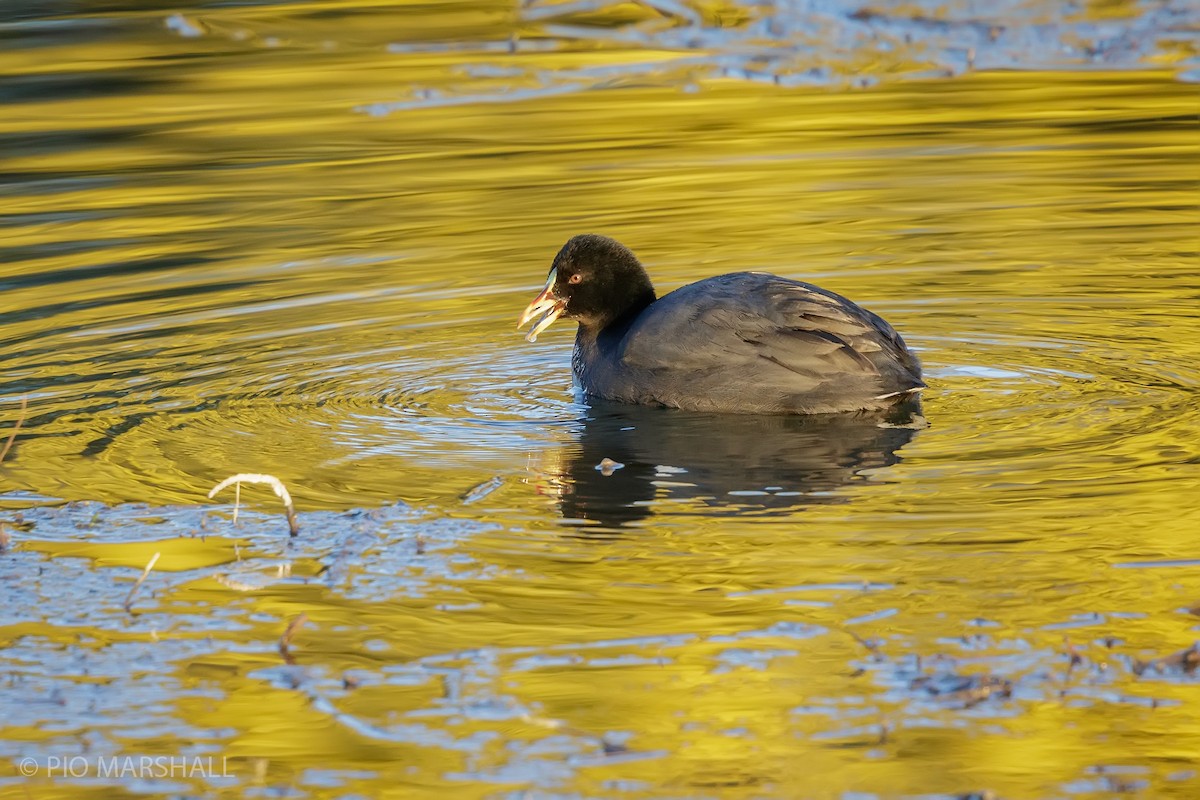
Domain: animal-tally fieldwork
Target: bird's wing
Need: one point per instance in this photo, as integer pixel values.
(773, 329)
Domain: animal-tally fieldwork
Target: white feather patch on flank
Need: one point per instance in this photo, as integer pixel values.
(913, 390)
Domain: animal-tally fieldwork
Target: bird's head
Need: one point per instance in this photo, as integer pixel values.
(593, 280)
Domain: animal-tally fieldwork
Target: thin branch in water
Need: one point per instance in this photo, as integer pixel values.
(285, 641)
(1074, 660)
(140, 581)
(13, 435)
(871, 646)
(270, 480)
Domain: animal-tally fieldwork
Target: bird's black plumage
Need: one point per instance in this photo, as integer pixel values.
(745, 342)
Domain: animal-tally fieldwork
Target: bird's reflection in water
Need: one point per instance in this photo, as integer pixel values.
(718, 463)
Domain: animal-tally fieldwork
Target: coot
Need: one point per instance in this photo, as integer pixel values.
(747, 342)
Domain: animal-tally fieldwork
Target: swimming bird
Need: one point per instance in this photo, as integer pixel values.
(745, 342)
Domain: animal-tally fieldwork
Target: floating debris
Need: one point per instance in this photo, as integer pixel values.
(289, 633)
(187, 28)
(482, 490)
(1184, 662)
(128, 604)
(270, 480)
(969, 690)
(607, 466)
(16, 427)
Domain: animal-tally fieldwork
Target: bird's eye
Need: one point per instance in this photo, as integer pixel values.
(576, 278)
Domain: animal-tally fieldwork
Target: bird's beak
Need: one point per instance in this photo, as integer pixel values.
(548, 304)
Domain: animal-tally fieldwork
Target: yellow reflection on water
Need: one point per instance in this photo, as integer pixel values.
(224, 268)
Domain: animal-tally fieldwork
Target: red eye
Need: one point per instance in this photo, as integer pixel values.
(576, 278)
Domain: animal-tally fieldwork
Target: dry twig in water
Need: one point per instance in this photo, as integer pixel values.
(1185, 662)
(869, 645)
(13, 435)
(274, 483)
(141, 580)
(286, 640)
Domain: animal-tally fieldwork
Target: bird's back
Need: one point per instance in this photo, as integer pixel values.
(750, 342)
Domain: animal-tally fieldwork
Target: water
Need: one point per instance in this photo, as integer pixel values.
(296, 239)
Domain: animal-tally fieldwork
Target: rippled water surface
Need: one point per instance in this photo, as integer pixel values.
(295, 239)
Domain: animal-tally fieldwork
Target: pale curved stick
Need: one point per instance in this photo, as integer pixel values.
(274, 483)
(145, 573)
